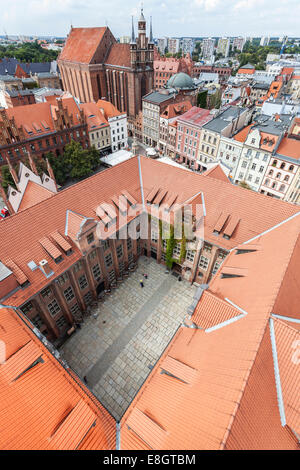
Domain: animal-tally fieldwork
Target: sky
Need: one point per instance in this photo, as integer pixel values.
(170, 17)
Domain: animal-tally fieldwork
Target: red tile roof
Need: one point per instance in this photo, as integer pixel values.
(94, 117)
(231, 400)
(197, 116)
(81, 44)
(109, 110)
(289, 148)
(255, 211)
(217, 172)
(34, 193)
(45, 407)
(119, 54)
(176, 109)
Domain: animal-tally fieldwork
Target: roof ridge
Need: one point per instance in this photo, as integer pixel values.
(66, 189)
(266, 320)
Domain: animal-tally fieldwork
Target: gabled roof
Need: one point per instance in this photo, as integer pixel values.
(255, 212)
(94, 117)
(81, 44)
(217, 172)
(108, 108)
(232, 399)
(119, 54)
(43, 405)
(34, 193)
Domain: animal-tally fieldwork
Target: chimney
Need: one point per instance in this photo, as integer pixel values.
(44, 265)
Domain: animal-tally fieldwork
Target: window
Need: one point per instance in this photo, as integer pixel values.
(265, 157)
(111, 276)
(37, 321)
(105, 245)
(96, 272)
(256, 180)
(203, 263)
(257, 155)
(278, 175)
(61, 322)
(261, 169)
(46, 292)
(62, 279)
(291, 167)
(53, 308)
(108, 260)
(27, 308)
(93, 254)
(267, 182)
(244, 164)
(208, 248)
(154, 236)
(190, 255)
(82, 281)
(282, 166)
(119, 251)
(90, 238)
(282, 187)
(87, 298)
(216, 266)
(286, 178)
(176, 251)
(75, 310)
(69, 294)
(129, 244)
(78, 266)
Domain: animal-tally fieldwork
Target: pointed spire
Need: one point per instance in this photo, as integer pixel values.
(132, 32)
(151, 35)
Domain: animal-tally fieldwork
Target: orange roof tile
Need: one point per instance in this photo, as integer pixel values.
(34, 193)
(255, 211)
(109, 110)
(217, 172)
(119, 54)
(289, 148)
(232, 402)
(242, 135)
(42, 405)
(82, 44)
(94, 117)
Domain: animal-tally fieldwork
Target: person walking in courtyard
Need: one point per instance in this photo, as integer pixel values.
(141, 283)
(145, 276)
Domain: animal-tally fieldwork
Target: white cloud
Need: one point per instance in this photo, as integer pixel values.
(170, 18)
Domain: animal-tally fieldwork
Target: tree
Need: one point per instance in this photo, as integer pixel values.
(245, 185)
(80, 162)
(7, 179)
(58, 166)
(202, 99)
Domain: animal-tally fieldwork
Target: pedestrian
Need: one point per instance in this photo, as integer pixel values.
(141, 283)
(146, 276)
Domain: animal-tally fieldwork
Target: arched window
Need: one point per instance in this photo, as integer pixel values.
(274, 185)
(286, 178)
(282, 187)
(278, 175)
(274, 163)
(267, 182)
(270, 172)
(291, 167)
(282, 166)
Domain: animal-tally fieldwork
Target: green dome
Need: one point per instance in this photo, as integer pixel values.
(181, 80)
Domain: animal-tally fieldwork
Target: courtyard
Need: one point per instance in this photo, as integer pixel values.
(118, 345)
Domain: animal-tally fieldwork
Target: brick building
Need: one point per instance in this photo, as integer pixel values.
(40, 128)
(61, 253)
(223, 72)
(94, 66)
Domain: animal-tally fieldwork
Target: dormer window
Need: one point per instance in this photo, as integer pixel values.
(58, 260)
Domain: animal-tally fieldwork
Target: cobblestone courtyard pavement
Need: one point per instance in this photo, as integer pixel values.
(117, 350)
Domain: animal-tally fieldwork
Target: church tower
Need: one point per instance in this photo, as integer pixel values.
(141, 54)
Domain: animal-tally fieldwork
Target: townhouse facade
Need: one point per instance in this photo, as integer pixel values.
(226, 123)
(168, 126)
(189, 127)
